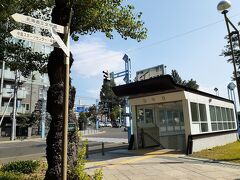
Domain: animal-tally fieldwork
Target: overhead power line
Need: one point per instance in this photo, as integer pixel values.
(180, 35)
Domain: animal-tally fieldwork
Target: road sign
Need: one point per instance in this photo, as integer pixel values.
(81, 109)
(126, 114)
(71, 127)
(60, 42)
(37, 22)
(34, 37)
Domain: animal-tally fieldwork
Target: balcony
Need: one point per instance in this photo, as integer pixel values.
(21, 94)
(8, 75)
(10, 110)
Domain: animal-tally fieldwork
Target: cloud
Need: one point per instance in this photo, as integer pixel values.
(92, 56)
(94, 92)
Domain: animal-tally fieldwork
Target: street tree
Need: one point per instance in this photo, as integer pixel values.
(89, 16)
(176, 77)
(92, 113)
(226, 52)
(82, 120)
(178, 80)
(15, 53)
(109, 99)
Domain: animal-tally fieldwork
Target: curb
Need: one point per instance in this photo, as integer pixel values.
(210, 161)
(25, 140)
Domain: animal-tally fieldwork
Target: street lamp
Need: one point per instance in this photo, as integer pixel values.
(223, 7)
(216, 91)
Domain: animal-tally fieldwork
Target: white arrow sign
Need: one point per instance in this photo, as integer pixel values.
(34, 38)
(60, 42)
(37, 22)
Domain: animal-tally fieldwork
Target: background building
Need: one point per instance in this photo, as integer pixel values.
(30, 90)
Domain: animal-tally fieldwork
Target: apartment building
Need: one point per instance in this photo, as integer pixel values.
(29, 91)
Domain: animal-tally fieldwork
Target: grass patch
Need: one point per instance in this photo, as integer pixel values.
(229, 152)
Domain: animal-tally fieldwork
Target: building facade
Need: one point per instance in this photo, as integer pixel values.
(28, 92)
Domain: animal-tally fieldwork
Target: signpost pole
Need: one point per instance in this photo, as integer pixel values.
(66, 98)
(65, 47)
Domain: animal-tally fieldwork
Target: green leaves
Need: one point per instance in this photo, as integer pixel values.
(178, 80)
(92, 16)
(22, 58)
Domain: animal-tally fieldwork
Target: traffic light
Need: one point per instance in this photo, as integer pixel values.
(106, 76)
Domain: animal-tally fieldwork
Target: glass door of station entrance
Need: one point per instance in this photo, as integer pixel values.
(162, 122)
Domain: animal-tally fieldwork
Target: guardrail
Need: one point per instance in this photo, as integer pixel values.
(89, 131)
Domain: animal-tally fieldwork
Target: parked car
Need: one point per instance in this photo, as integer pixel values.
(101, 124)
(108, 124)
(116, 125)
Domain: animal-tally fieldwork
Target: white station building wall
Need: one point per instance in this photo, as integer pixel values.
(202, 115)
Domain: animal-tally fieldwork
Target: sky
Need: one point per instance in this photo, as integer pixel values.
(186, 35)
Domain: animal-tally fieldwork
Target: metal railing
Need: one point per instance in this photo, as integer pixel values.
(95, 145)
(151, 138)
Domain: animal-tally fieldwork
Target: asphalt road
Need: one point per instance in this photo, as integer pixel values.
(35, 149)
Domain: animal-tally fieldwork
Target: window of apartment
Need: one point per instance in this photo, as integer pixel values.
(222, 118)
(27, 107)
(199, 117)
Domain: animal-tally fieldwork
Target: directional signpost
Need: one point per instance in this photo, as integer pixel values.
(60, 42)
(55, 41)
(34, 37)
(37, 22)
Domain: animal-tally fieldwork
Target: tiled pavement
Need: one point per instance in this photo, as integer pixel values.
(159, 165)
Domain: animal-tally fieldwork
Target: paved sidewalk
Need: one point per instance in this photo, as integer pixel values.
(159, 165)
(109, 140)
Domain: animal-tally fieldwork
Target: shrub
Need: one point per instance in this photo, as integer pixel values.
(11, 176)
(25, 167)
(80, 167)
(78, 172)
(98, 174)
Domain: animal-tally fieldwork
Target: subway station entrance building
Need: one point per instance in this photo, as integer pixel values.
(176, 117)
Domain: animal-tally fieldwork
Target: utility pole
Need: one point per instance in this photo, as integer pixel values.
(43, 113)
(97, 102)
(1, 85)
(14, 107)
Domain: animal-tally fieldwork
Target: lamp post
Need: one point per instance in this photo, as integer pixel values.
(223, 7)
(216, 91)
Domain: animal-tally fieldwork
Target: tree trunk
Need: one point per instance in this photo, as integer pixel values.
(56, 73)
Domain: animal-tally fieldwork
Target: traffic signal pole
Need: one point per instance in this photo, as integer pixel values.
(127, 79)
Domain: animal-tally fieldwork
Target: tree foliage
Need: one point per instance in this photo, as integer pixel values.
(178, 80)
(16, 53)
(92, 16)
(107, 95)
(27, 120)
(89, 16)
(82, 117)
(226, 52)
